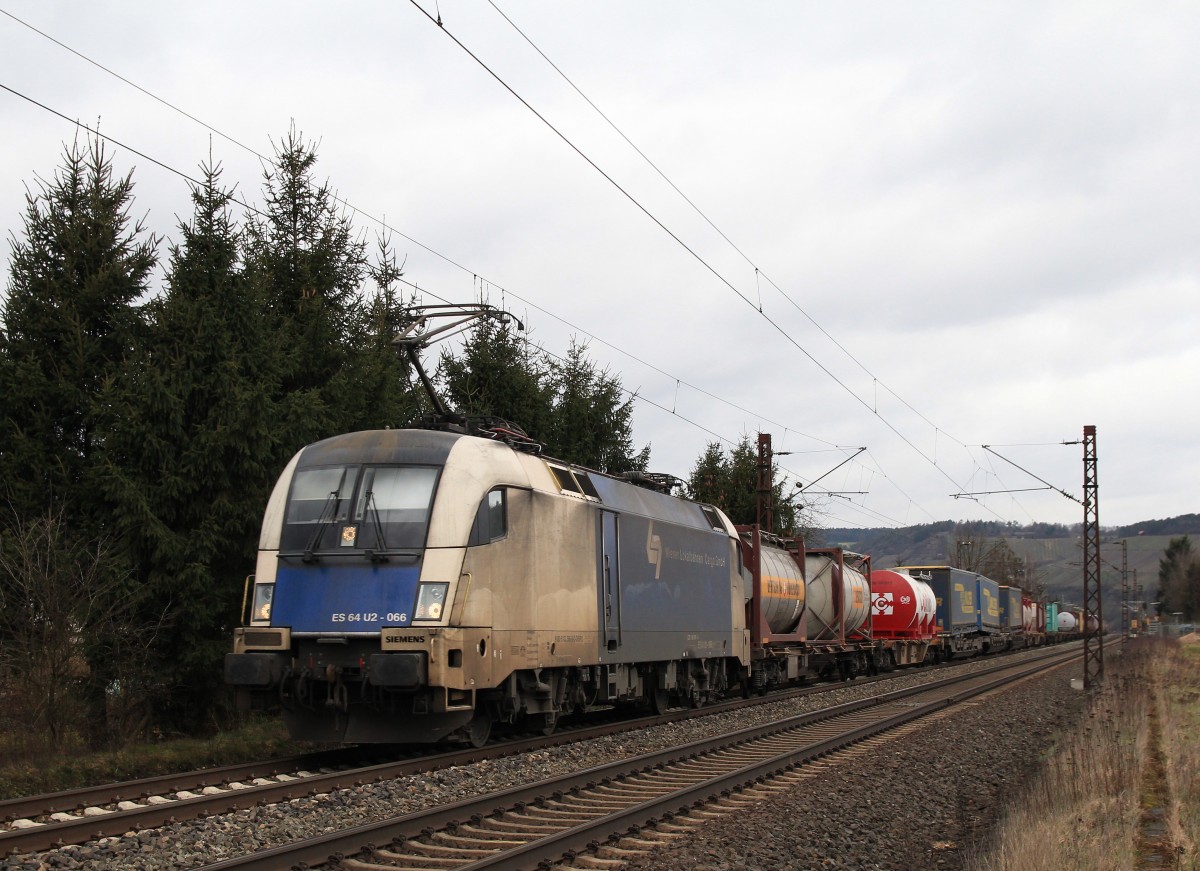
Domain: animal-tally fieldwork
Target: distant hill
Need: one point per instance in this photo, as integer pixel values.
(1052, 552)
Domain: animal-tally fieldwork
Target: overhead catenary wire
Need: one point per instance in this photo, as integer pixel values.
(721, 278)
(758, 272)
(454, 263)
(382, 223)
(633, 394)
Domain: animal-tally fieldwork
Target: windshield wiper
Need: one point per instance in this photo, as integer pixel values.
(327, 513)
(373, 511)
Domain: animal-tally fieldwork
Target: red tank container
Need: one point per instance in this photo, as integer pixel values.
(902, 606)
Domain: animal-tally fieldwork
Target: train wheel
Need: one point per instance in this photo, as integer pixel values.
(480, 728)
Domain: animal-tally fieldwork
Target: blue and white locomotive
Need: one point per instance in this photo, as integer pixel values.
(413, 585)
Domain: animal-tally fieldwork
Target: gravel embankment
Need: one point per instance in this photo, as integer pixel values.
(920, 803)
(898, 810)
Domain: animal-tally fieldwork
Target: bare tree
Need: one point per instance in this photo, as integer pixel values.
(59, 599)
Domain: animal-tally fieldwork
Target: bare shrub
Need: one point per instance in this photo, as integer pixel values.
(63, 609)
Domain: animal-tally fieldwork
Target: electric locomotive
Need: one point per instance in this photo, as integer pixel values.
(414, 585)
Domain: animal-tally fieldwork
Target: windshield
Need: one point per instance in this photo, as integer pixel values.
(390, 508)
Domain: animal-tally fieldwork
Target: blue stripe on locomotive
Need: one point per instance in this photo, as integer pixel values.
(675, 576)
(341, 597)
(691, 591)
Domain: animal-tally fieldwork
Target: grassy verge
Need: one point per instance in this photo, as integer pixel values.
(1123, 792)
(1181, 744)
(50, 772)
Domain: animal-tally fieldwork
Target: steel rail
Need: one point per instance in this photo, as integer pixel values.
(46, 836)
(333, 847)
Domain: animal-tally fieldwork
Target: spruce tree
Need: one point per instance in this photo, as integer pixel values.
(193, 452)
(1179, 580)
(69, 321)
(731, 483)
(306, 258)
(496, 375)
(380, 395)
(592, 418)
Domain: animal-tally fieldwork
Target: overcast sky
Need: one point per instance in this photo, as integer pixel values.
(965, 223)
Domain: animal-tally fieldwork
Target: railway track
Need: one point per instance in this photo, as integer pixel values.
(43, 822)
(578, 818)
(75, 817)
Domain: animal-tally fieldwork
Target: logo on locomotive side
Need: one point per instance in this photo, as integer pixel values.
(654, 550)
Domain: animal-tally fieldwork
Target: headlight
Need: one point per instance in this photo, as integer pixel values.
(261, 610)
(431, 598)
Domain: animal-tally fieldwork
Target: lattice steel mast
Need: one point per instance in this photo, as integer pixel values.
(1093, 637)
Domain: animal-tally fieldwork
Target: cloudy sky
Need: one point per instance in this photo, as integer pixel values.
(917, 228)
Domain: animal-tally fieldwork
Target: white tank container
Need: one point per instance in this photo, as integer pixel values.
(822, 574)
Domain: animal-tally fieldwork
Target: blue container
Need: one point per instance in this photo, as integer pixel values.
(1011, 612)
(987, 600)
(957, 594)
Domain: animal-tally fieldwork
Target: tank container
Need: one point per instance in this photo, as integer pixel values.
(823, 577)
(782, 590)
(901, 606)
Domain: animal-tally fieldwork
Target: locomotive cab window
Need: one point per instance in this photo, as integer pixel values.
(317, 504)
(342, 508)
(491, 520)
(392, 507)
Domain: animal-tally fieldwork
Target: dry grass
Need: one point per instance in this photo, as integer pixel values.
(1181, 744)
(1083, 811)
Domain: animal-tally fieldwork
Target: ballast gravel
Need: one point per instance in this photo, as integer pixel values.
(926, 801)
(916, 803)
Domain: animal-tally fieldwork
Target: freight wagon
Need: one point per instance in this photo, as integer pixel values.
(968, 609)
